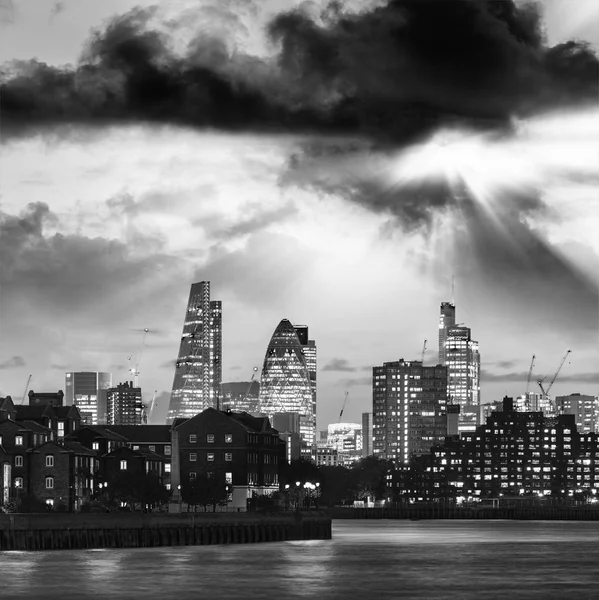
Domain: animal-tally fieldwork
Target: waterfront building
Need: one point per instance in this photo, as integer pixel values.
(87, 391)
(240, 396)
(125, 405)
(309, 350)
(125, 460)
(446, 320)
(241, 450)
(463, 375)
(285, 384)
(584, 409)
(367, 434)
(409, 409)
(198, 370)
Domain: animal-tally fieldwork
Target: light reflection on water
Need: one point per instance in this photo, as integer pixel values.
(381, 559)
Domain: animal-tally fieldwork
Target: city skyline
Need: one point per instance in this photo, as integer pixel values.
(270, 217)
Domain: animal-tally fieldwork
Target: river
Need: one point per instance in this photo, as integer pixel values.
(365, 559)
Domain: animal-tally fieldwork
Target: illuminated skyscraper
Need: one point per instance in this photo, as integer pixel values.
(309, 348)
(198, 371)
(87, 391)
(463, 375)
(285, 385)
(446, 320)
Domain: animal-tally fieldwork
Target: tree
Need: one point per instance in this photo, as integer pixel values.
(208, 488)
(301, 470)
(369, 477)
(138, 489)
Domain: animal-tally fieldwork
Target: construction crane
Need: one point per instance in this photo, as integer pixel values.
(135, 370)
(147, 414)
(26, 389)
(423, 352)
(249, 388)
(540, 382)
(343, 407)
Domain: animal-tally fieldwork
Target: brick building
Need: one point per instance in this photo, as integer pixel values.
(243, 449)
(62, 420)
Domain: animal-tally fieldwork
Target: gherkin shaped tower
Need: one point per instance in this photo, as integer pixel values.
(285, 383)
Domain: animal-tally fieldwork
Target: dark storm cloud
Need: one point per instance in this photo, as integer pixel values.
(338, 364)
(13, 363)
(390, 73)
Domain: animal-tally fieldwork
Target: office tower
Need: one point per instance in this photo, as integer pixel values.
(198, 371)
(87, 391)
(345, 437)
(584, 409)
(463, 375)
(288, 426)
(285, 384)
(367, 434)
(446, 320)
(240, 396)
(124, 404)
(409, 405)
(535, 402)
(309, 348)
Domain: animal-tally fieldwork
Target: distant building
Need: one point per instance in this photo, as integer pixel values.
(87, 391)
(288, 426)
(60, 420)
(490, 407)
(345, 437)
(535, 402)
(46, 398)
(198, 370)
(285, 384)
(327, 457)
(584, 409)
(309, 349)
(240, 396)
(446, 320)
(409, 409)
(367, 434)
(125, 405)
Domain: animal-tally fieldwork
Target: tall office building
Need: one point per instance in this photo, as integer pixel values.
(309, 348)
(463, 375)
(198, 371)
(535, 402)
(409, 409)
(87, 391)
(367, 434)
(240, 396)
(285, 385)
(124, 405)
(446, 320)
(584, 409)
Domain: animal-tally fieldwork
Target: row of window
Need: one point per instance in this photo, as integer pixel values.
(49, 461)
(193, 438)
(193, 457)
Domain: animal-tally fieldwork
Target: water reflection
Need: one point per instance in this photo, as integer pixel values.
(382, 559)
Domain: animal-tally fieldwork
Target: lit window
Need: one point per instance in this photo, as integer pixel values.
(49, 460)
(228, 456)
(18, 440)
(123, 465)
(152, 448)
(192, 475)
(18, 482)
(193, 456)
(228, 438)
(210, 438)
(96, 445)
(193, 438)
(210, 456)
(49, 483)
(168, 486)
(167, 450)
(18, 461)
(135, 447)
(167, 467)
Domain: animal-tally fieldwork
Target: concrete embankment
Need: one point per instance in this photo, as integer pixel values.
(80, 531)
(524, 513)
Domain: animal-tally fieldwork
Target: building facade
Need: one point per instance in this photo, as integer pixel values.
(125, 405)
(198, 370)
(285, 385)
(240, 396)
(446, 320)
(367, 434)
(87, 391)
(584, 409)
(309, 348)
(409, 409)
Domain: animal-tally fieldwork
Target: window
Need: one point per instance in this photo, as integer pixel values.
(193, 456)
(167, 467)
(60, 428)
(95, 445)
(18, 482)
(0, 440)
(135, 447)
(18, 461)
(193, 438)
(210, 456)
(192, 475)
(49, 460)
(210, 438)
(228, 456)
(123, 465)
(228, 438)
(167, 450)
(18, 440)
(49, 483)
(152, 448)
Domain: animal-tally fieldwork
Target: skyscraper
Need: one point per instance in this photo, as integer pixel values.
(409, 409)
(285, 385)
(87, 391)
(367, 434)
(309, 349)
(446, 320)
(124, 405)
(463, 375)
(240, 396)
(584, 409)
(198, 371)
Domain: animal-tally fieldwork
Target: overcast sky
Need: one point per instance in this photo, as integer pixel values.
(292, 173)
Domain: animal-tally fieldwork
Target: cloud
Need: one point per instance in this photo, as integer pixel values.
(59, 367)
(506, 364)
(13, 363)
(338, 364)
(390, 73)
(487, 376)
(357, 381)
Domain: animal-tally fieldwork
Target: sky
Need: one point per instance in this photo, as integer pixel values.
(336, 167)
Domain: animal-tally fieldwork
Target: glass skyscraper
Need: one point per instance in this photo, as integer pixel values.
(198, 371)
(446, 320)
(309, 349)
(87, 391)
(285, 385)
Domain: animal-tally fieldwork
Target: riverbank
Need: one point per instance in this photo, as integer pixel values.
(125, 530)
(440, 511)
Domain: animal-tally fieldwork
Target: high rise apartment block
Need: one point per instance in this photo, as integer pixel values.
(409, 409)
(125, 405)
(198, 370)
(446, 320)
(87, 391)
(584, 409)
